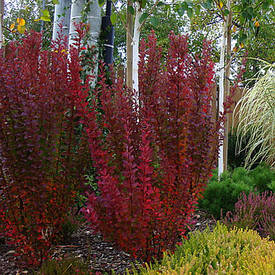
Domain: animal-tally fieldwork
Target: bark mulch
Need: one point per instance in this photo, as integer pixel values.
(101, 256)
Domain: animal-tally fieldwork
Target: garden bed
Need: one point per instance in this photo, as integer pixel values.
(101, 256)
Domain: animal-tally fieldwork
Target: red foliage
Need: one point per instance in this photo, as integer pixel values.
(42, 158)
(153, 156)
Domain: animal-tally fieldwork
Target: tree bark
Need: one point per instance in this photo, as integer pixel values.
(129, 45)
(62, 15)
(137, 29)
(1, 22)
(94, 20)
(224, 85)
(221, 96)
(227, 80)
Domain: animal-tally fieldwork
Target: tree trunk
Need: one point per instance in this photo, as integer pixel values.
(129, 45)
(224, 85)
(62, 15)
(137, 30)
(221, 96)
(1, 22)
(93, 18)
(227, 81)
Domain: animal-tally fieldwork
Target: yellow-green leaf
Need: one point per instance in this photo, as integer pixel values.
(45, 13)
(21, 29)
(12, 26)
(21, 22)
(113, 18)
(45, 18)
(220, 5)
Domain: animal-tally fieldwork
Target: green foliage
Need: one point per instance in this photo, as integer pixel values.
(223, 194)
(263, 178)
(68, 228)
(69, 266)
(35, 16)
(163, 21)
(222, 251)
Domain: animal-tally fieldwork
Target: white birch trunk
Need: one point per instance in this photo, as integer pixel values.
(137, 29)
(94, 20)
(1, 22)
(62, 14)
(221, 94)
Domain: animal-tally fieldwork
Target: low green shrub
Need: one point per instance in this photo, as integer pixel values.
(67, 266)
(222, 251)
(222, 195)
(68, 228)
(263, 178)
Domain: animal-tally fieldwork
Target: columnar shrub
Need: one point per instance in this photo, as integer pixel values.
(153, 151)
(41, 157)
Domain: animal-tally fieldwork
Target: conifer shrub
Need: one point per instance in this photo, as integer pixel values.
(255, 211)
(221, 196)
(41, 157)
(153, 151)
(223, 251)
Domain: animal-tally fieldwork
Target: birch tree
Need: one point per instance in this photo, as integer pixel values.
(62, 14)
(1, 22)
(93, 18)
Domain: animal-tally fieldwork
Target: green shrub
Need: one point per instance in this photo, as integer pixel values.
(222, 251)
(68, 228)
(223, 194)
(68, 266)
(263, 178)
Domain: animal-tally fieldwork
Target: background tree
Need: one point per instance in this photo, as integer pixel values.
(1, 22)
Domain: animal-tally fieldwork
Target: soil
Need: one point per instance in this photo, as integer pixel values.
(101, 256)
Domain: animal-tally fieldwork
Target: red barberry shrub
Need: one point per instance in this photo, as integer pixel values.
(41, 155)
(153, 152)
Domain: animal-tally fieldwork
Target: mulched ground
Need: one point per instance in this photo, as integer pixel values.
(101, 256)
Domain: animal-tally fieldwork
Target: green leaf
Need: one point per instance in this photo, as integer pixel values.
(207, 4)
(154, 21)
(45, 18)
(45, 13)
(180, 11)
(190, 12)
(226, 12)
(160, 4)
(197, 10)
(243, 37)
(143, 17)
(143, 3)
(184, 6)
(55, 2)
(113, 18)
(101, 2)
(131, 10)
